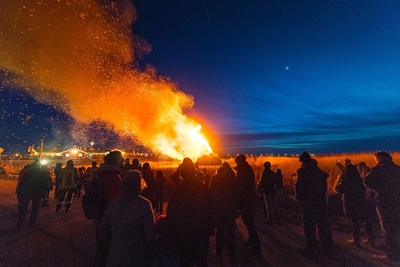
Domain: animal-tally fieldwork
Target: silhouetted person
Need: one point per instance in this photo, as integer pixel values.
(206, 176)
(110, 171)
(149, 191)
(372, 224)
(166, 252)
(32, 186)
(136, 165)
(127, 226)
(127, 164)
(199, 173)
(91, 173)
(279, 185)
(385, 179)
(351, 186)
(224, 189)
(57, 180)
(311, 189)
(67, 187)
(160, 182)
(80, 181)
(175, 178)
(46, 195)
(246, 199)
(267, 183)
(189, 214)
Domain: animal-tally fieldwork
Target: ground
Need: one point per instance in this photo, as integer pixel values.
(68, 239)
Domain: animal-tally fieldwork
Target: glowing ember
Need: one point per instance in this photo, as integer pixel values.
(78, 55)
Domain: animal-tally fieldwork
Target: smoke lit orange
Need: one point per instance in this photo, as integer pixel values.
(77, 55)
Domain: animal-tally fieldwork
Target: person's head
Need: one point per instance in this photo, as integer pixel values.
(279, 171)
(113, 158)
(94, 164)
(204, 170)
(36, 164)
(58, 165)
(131, 183)
(347, 162)
(304, 157)
(240, 159)
(197, 164)
(382, 157)
(127, 160)
(70, 163)
(226, 165)
(187, 169)
(135, 163)
(267, 165)
(159, 174)
(146, 166)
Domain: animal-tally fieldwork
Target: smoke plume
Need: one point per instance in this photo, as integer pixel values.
(80, 57)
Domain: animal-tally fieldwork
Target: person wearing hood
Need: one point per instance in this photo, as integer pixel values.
(127, 226)
(224, 190)
(189, 215)
(311, 189)
(246, 197)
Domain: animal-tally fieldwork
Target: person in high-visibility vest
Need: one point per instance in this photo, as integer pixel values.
(67, 187)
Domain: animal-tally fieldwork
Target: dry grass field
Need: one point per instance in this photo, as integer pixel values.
(288, 165)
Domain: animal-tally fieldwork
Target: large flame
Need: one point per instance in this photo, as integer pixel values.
(77, 55)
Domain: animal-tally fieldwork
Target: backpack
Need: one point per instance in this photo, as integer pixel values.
(93, 200)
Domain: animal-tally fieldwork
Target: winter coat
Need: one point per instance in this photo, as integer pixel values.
(224, 190)
(385, 179)
(268, 182)
(128, 227)
(351, 186)
(189, 211)
(69, 178)
(245, 179)
(311, 181)
(34, 182)
(150, 191)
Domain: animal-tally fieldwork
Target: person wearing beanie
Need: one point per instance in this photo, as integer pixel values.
(311, 189)
(246, 199)
(128, 226)
(189, 214)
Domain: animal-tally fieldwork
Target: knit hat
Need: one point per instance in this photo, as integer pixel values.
(187, 168)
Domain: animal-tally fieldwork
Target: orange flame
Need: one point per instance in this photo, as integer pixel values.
(77, 55)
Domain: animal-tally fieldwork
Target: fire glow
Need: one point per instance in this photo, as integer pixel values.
(79, 55)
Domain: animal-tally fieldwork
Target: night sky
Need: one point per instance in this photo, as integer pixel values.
(266, 76)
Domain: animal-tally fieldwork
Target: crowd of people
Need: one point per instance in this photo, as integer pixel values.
(134, 230)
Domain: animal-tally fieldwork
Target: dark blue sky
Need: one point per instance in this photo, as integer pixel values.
(283, 76)
(271, 76)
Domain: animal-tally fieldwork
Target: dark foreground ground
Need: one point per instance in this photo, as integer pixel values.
(68, 239)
